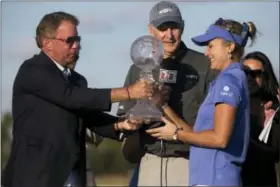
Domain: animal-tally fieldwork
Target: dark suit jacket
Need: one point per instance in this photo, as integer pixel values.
(49, 114)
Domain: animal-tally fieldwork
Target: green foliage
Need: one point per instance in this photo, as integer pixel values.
(6, 124)
(107, 158)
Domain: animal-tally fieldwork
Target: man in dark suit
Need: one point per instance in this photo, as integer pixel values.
(52, 105)
(85, 175)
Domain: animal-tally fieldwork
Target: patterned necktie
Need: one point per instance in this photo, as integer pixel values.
(66, 72)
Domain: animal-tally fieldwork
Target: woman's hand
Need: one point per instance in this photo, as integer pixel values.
(268, 112)
(166, 132)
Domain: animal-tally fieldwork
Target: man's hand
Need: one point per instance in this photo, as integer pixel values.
(141, 89)
(126, 125)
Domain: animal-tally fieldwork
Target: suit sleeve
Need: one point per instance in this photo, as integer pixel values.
(36, 80)
(101, 123)
(131, 77)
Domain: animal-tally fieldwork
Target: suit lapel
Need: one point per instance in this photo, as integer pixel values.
(75, 79)
(46, 61)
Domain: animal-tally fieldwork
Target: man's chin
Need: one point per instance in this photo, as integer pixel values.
(71, 63)
(169, 52)
(170, 49)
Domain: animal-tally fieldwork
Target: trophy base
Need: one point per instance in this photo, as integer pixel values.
(144, 111)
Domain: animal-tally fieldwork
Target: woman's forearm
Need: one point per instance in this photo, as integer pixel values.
(176, 119)
(207, 138)
(218, 137)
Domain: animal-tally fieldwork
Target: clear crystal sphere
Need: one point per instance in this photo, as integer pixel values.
(147, 52)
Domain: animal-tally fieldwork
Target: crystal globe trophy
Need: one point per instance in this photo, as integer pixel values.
(146, 53)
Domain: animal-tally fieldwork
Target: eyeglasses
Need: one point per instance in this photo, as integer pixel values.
(254, 73)
(70, 40)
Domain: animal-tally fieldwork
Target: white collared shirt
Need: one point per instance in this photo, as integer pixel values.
(68, 72)
(60, 67)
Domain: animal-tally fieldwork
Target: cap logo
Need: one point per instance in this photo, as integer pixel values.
(163, 11)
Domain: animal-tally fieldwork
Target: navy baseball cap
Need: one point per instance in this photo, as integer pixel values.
(216, 31)
(165, 11)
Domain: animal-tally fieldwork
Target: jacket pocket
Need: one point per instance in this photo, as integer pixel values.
(38, 153)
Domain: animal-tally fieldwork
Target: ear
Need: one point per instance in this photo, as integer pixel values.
(182, 27)
(151, 29)
(47, 44)
(231, 47)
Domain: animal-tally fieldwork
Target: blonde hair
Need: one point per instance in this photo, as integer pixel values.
(237, 28)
